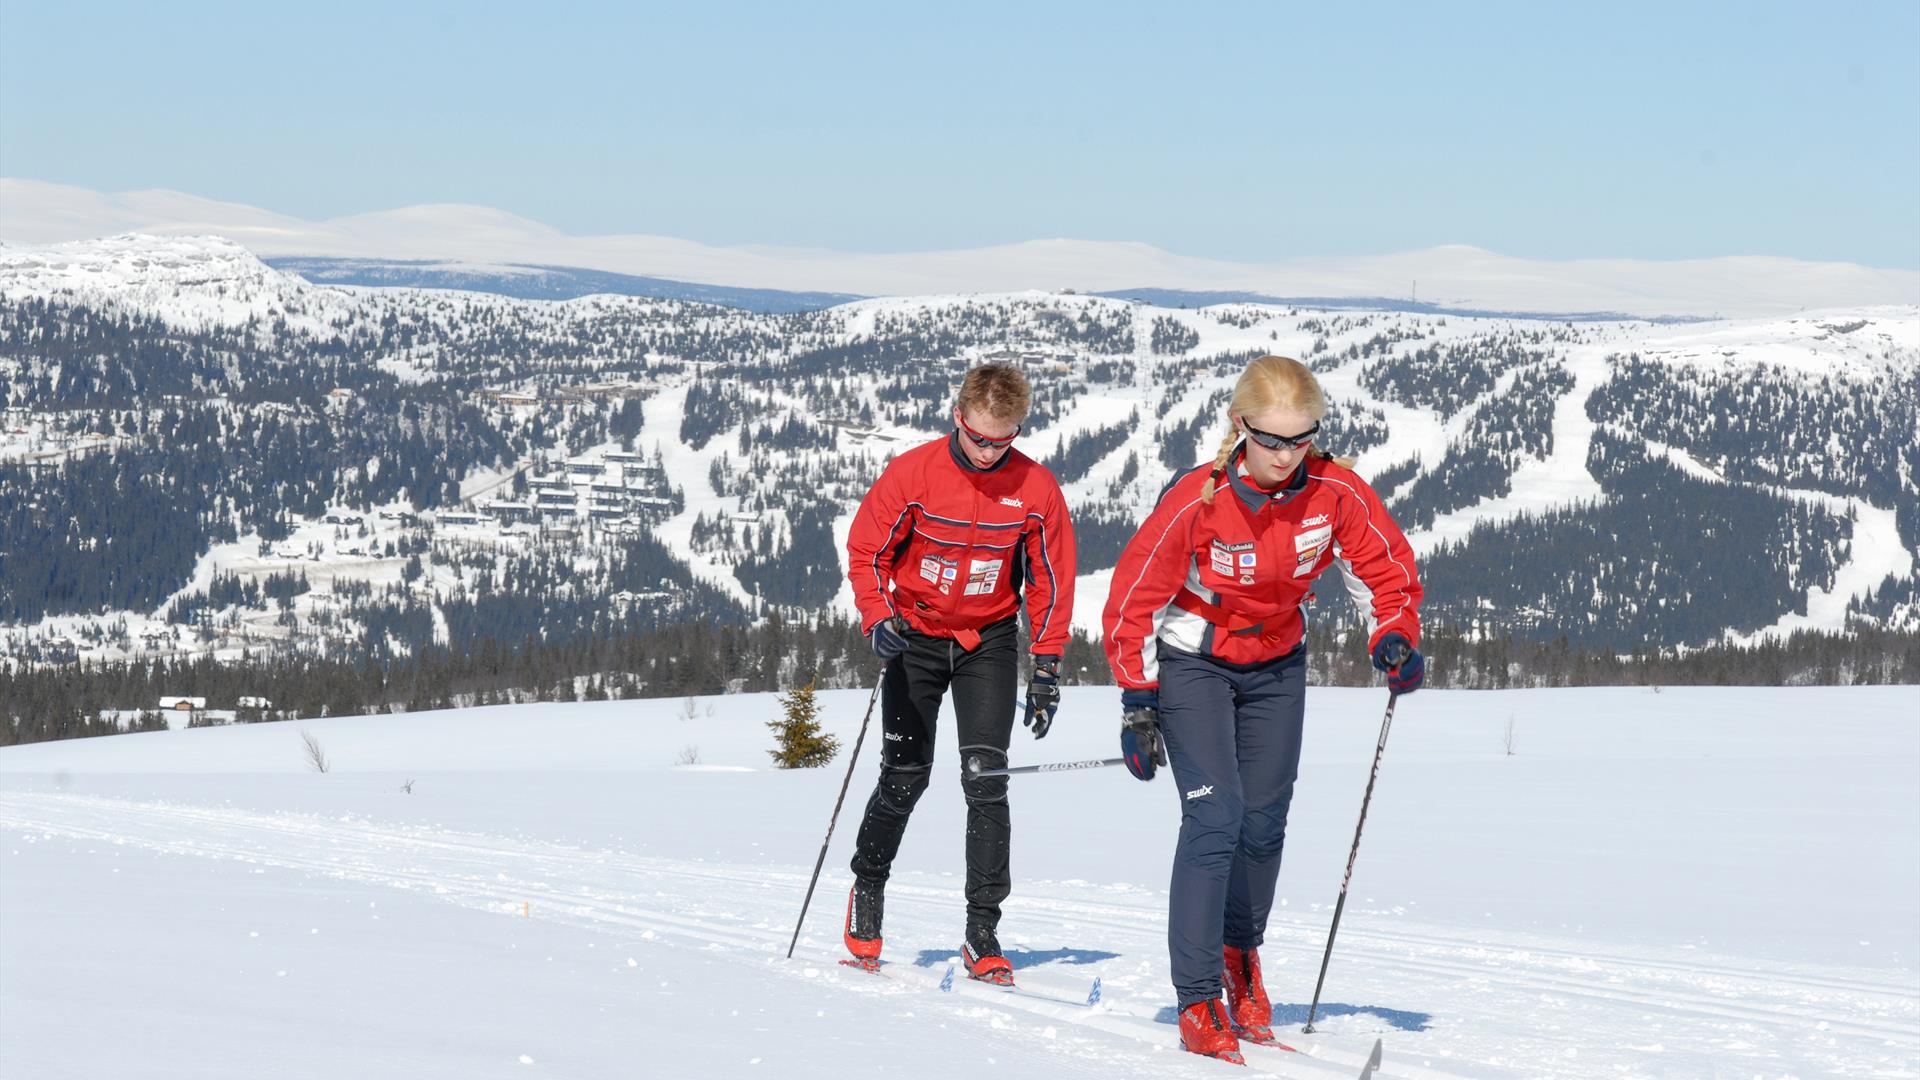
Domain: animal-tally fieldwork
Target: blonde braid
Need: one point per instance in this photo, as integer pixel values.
(1220, 464)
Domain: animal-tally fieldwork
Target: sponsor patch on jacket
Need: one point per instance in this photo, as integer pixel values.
(1308, 546)
(1223, 556)
(983, 575)
(940, 571)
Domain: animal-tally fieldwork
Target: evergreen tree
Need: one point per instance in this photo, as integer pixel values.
(801, 743)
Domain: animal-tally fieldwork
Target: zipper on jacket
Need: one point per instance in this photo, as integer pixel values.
(965, 571)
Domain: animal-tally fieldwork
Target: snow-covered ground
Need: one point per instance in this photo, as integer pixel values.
(1688, 883)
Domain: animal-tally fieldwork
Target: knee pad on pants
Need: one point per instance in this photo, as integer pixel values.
(983, 789)
(901, 786)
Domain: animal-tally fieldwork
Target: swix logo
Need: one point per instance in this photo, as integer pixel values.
(1317, 519)
(895, 736)
(1199, 792)
(1008, 500)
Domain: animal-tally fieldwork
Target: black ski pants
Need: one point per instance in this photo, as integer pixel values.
(983, 682)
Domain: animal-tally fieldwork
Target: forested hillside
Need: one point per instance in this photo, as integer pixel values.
(205, 457)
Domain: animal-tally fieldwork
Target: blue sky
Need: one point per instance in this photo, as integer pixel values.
(1238, 131)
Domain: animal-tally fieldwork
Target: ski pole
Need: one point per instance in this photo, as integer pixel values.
(844, 784)
(1340, 905)
(974, 769)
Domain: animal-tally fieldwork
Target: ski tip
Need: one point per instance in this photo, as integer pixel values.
(1373, 1062)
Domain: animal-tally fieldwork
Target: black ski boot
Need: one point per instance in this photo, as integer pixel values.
(866, 903)
(980, 952)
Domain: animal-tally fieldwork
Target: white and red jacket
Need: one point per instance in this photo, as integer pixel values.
(947, 546)
(1226, 579)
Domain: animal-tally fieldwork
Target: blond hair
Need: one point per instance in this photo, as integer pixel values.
(1271, 382)
(999, 390)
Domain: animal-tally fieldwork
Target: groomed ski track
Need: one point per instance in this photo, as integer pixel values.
(1424, 990)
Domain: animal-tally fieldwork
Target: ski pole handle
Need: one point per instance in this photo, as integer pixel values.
(974, 769)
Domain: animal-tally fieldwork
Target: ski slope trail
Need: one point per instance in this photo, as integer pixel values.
(1462, 1004)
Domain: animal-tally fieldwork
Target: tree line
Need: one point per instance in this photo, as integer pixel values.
(705, 657)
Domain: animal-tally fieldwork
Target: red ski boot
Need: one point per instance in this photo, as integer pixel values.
(980, 952)
(865, 904)
(1204, 1030)
(1247, 996)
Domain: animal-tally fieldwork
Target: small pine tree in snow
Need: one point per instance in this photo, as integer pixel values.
(802, 745)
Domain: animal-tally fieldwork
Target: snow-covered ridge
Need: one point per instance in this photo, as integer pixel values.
(1455, 275)
(190, 282)
(1858, 341)
(199, 282)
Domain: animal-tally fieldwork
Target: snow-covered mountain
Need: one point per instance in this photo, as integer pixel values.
(483, 239)
(1621, 483)
(191, 283)
(543, 282)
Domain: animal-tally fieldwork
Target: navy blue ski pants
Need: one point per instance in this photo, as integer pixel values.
(1233, 740)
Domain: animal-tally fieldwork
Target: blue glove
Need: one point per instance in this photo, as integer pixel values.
(1140, 741)
(889, 637)
(1043, 695)
(1404, 666)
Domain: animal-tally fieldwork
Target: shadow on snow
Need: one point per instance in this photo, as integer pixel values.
(1019, 958)
(1296, 1015)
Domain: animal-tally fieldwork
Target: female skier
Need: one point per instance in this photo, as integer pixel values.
(1205, 634)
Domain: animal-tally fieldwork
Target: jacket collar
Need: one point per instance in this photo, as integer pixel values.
(960, 456)
(1252, 497)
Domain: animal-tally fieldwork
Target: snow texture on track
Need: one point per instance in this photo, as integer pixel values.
(189, 903)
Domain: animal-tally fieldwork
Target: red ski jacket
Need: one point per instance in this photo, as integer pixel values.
(949, 546)
(1226, 579)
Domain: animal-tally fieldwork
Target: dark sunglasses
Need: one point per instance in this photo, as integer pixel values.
(982, 441)
(1280, 442)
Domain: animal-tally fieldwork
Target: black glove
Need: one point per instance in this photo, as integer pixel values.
(1043, 695)
(889, 637)
(1140, 741)
(1406, 669)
